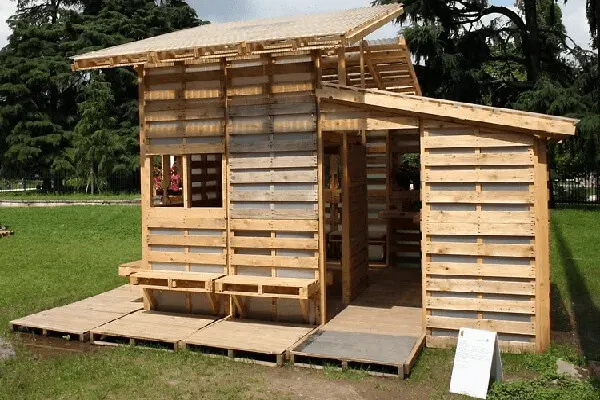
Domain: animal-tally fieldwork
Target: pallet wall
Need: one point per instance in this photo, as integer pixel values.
(483, 262)
(247, 132)
(273, 197)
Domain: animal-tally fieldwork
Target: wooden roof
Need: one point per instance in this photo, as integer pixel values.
(405, 104)
(319, 31)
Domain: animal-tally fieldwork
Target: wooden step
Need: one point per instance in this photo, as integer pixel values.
(196, 282)
(263, 286)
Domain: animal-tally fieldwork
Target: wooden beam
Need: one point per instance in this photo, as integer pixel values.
(542, 248)
(513, 120)
(365, 29)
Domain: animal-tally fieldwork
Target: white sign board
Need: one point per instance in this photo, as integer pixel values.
(477, 360)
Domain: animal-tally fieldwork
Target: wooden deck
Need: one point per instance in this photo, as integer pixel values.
(79, 318)
(150, 328)
(246, 340)
(381, 330)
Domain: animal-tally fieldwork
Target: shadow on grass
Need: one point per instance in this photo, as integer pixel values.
(586, 315)
(560, 320)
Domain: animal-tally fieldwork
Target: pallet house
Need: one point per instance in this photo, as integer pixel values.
(276, 187)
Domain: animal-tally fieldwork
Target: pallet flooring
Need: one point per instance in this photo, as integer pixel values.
(245, 340)
(76, 320)
(380, 331)
(150, 328)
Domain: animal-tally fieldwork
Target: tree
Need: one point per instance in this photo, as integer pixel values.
(39, 92)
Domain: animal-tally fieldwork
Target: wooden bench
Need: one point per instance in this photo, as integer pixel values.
(197, 282)
(239, 286)
(266, 286)
(177, 281)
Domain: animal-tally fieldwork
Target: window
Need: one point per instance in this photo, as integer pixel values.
(206, 180)
(167, 181)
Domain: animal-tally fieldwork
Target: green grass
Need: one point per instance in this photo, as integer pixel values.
(31, 196)
(59, 255)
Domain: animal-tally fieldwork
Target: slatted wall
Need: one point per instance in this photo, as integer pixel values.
(404, 242)
(378, 179)
(182, 111)
(355, 249)
(273, 194)
(479, 234)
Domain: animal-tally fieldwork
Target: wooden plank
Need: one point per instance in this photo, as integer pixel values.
(277, 196)
(542, 248)
(273, 243)
(483, 197)
(308, 176)
(188, 148)
(279, 225)
(489, 305)
(183, 222)
(483, 270)
(479, 286)
(187, 258)
(178, 240)
(436, 216)
(473, 175)
(518, 328)
(483, 249)
(244, 161)
(482, 159)
(274, 261)
(480, 228)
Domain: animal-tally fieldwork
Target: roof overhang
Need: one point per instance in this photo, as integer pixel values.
(498, 118)
(238, 39)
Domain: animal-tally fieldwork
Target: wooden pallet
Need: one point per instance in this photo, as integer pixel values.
(129, 268)
(150, 329)
(300, 358)
(75, 320)
(261, 286)
(264, 343)
(175, 281)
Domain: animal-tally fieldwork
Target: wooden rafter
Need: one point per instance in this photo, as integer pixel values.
(518, 121)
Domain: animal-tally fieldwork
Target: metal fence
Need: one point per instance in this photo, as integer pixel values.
(578, 190)
(116, 183)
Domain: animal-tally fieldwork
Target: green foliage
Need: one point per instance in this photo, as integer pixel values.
(546, 387)
(519, 60)
(43, 130)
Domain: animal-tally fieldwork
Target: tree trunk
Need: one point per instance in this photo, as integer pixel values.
(532, 47)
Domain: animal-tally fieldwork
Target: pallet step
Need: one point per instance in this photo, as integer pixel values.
(175, 280)
(102, 339)
(261, 286)
(370, 367)
(251, 357)
(79, 336)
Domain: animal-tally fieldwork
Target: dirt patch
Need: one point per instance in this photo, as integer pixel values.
(307, 384)
(43, 347)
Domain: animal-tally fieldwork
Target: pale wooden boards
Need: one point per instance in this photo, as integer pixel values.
(268, 338)
(81, 317)
(150, 326)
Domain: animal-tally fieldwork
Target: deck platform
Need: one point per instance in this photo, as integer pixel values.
(381, 331)
(251, 341)
(151, 328)
(76, 320)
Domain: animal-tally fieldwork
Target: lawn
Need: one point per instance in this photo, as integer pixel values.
(64, 254)
(35, 196)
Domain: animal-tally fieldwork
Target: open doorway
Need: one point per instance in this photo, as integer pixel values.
(372, 219)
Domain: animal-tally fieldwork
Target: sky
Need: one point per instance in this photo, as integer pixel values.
(235, 10)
